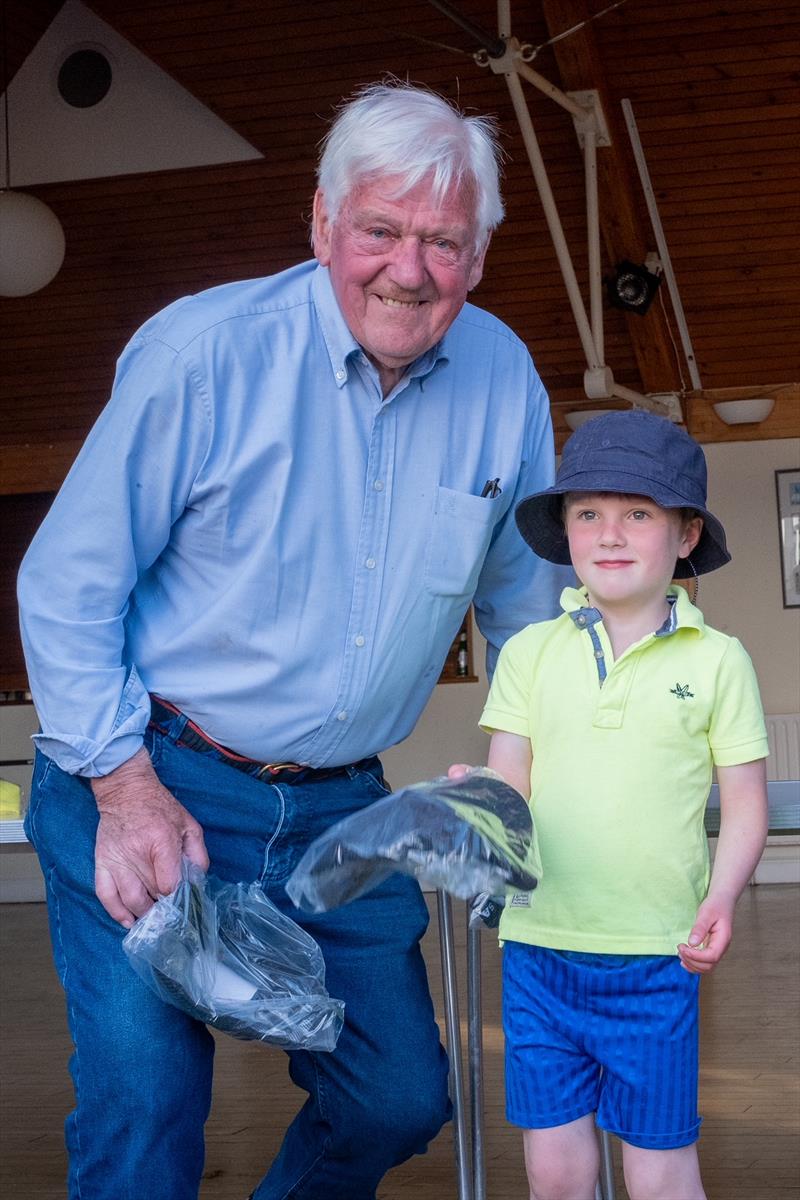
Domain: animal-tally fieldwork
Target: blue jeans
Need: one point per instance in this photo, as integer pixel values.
(142, 1070)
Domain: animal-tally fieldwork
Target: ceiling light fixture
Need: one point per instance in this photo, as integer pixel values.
(749, 410)
(32, 241)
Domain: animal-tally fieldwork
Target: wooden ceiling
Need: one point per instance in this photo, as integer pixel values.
(715, 88)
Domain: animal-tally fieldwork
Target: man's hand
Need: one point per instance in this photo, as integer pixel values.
(142, 834)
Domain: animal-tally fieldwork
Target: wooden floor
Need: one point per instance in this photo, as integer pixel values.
(750, 1093)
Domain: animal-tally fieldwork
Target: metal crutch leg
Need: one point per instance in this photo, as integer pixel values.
(453, 1032)
(475, 1049)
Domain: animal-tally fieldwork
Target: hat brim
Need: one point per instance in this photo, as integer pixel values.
(539, 520)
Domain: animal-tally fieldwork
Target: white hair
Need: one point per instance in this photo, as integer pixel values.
(394, 129)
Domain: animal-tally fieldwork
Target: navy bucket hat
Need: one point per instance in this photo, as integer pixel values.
(633, 453)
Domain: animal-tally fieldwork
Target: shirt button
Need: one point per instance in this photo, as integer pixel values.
(370, 564)
(340, 374)
(360, 640)
(341, 716)
(599, 654)
(580, 620)
(378, 485)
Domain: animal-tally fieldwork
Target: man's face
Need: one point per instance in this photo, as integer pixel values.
(401, 268)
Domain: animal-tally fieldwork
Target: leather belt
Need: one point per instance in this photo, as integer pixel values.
(193, 737)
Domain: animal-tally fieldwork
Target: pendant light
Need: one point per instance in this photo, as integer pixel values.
(31, 238)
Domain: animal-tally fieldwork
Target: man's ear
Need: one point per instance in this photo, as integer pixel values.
(321, 230)
(476, 270)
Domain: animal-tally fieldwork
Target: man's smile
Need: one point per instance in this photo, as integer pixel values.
(391, 302)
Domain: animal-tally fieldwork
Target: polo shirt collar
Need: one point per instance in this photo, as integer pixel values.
(340, 343)
(682, 613)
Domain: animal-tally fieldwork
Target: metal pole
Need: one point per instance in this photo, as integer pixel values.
(607, 1173)
(593, 237)
(553, 221)
(550, 89)
(475, 1053)
(453, 1031)
(492, 45)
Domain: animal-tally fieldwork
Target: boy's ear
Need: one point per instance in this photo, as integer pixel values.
(691, 536)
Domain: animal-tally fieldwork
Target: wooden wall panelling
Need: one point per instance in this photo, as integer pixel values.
(20, 517)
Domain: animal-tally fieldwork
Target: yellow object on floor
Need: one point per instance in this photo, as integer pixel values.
(10, 801)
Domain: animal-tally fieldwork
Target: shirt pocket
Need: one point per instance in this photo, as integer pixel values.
(462, 529)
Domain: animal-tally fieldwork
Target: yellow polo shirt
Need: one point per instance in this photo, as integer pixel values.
(622, 759)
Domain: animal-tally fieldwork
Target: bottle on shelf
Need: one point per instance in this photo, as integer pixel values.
(462, 660)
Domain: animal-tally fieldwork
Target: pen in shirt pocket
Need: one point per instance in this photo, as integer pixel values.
(491, 488)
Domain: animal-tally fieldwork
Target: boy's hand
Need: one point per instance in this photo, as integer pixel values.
(459, 770)
(710, 937)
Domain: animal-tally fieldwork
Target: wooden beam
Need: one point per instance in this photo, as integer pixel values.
(783, 422)
(625, 233)
(34, 467)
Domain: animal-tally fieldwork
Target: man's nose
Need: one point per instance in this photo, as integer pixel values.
(407, 265)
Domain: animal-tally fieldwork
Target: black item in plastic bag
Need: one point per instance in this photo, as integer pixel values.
(486, 910)
(223, 953)
(468, 836)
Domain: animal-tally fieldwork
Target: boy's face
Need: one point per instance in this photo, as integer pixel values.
(624, 548)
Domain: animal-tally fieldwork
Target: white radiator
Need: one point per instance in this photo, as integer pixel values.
(783, 731)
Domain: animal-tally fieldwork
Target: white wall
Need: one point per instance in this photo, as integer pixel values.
(744, 598)
(446, 733)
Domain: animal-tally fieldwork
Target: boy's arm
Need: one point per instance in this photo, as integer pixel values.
(510, 755)
(743, 831)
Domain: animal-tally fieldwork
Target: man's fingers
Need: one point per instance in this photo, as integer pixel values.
(194, 847)
(108, 894)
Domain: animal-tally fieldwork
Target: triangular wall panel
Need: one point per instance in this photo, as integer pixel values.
(146, 122)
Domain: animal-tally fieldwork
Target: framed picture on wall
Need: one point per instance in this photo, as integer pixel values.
(787, 487)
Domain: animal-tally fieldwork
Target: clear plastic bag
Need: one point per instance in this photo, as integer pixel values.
(223, 953)
(468, 836)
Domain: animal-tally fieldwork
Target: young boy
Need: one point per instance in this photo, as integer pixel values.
(610, 719)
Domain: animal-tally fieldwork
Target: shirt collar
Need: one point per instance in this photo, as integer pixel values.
(682, 613)
(339, 341)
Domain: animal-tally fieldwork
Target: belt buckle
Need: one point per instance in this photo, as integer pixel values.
(276, 768)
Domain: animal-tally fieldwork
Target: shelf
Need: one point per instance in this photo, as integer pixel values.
(455, 670)
(11, 831)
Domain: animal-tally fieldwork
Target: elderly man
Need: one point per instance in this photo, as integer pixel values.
(245, 590)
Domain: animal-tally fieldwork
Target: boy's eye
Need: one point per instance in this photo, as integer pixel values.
(587, 514)
(640, 514)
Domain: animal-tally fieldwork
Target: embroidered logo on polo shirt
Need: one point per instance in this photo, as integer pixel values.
(681, 690)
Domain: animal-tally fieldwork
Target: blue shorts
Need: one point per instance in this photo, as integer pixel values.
(614, 1035)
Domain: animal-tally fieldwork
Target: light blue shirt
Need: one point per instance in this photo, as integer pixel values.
(254, 533)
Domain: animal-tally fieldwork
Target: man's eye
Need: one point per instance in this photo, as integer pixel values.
(444, 244)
